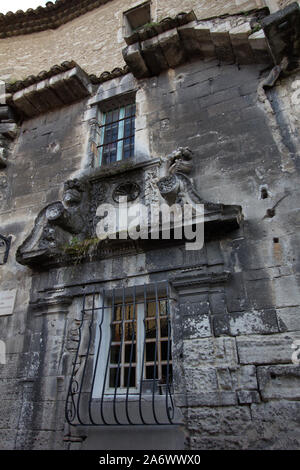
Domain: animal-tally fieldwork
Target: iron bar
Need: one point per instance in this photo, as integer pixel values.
(127, 362)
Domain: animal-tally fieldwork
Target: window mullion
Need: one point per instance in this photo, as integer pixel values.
(121, 134)
(102, 138)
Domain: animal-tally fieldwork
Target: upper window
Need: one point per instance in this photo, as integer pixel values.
(116, 129)
(136, 18)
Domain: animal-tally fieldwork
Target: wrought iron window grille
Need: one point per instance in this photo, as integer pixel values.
(122, 370)
(5, 243)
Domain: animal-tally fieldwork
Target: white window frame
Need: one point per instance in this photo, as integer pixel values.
(104, 350)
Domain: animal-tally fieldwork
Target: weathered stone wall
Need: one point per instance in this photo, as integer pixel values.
(239, 387)
(243, 356)
(233, 338)
(101, 32)
(46, 152)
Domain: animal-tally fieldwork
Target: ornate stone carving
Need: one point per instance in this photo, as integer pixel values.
(181, 161)
(65, 231)
(176, 187)
(56, 224)
(129, 190)
(152, 194)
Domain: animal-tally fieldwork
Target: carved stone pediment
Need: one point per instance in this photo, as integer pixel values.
(65, 232)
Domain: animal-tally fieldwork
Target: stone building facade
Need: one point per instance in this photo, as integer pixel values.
(210, 97)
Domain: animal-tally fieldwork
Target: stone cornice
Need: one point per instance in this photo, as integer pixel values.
(32, 88)
(61, 89)
(57, 69)
(42, 18)
(230, 40)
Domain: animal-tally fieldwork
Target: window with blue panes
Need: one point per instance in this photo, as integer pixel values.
(116, 129)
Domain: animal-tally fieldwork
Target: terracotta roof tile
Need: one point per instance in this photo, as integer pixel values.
(51, 16)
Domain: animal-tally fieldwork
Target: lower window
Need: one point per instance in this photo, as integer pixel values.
(122, 368)
(133, 349)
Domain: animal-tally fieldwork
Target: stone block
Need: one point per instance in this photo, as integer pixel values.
(172, 48)
(153, 55)
(224, 378)
(240, 44)
(262, 293)
(280, 413)
(243, 323)
(273, 349)
(279, 382)
(259, 46)
(205, 420)
(246, 397)
(24, 105)
(9, 413)
(286, 290)
(244, 378)
(196, 326)
(236, 298)
(207, 46)
(190, 40)
(194, 304)
(219, 421)
(217, 303)
(135, 61)
(210, 351)
(220, 325)
(196, 442)
(203, 379)
(253, 323)
(7, 439)
(11, 369)
(289, 318)
(10, 388)
(46, 415)
(39, 440)
(277, 423)
(220, 36)
(216, 398)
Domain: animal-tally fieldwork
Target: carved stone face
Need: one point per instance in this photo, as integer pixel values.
(72, 197)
